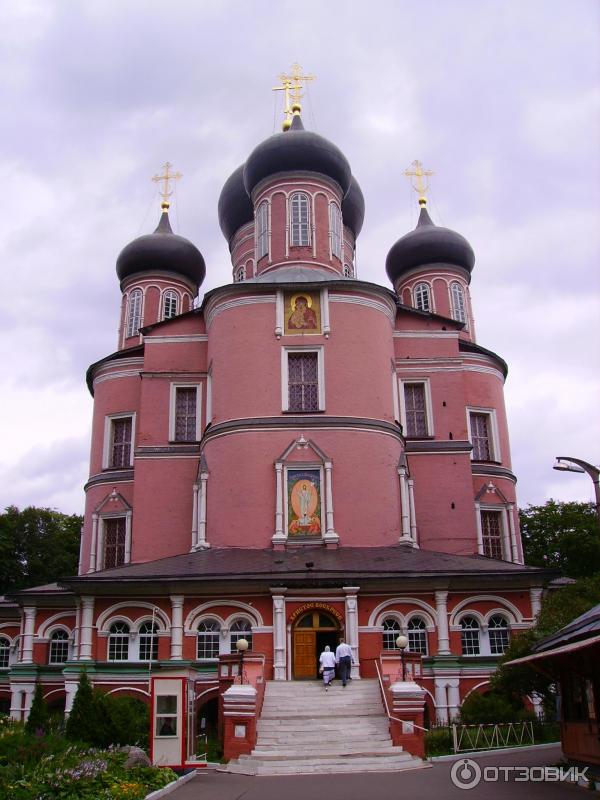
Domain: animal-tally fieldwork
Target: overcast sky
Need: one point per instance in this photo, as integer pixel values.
(501, 99)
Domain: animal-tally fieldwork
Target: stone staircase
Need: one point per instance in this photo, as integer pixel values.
(303, 729)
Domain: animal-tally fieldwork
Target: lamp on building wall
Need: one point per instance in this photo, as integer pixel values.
(402, 644)
(568, 464)
(241, 646)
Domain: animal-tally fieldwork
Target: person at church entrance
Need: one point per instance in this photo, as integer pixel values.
(327, 666)
(343, 658)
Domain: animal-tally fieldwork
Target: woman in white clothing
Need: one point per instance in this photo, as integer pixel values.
(327, 666)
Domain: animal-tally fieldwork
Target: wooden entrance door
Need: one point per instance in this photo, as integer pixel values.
(305, 665)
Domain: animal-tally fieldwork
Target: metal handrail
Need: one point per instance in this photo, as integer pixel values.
(385, 702)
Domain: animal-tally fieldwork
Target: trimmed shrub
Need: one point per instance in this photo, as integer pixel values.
(81, 725)
(38, 721)
(490, 708)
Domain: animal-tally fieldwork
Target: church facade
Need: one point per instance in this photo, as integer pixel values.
(298, 456)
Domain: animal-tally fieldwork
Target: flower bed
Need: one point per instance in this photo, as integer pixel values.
(51, 768)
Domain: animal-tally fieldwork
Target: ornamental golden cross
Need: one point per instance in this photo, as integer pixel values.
(291, 86)
(421, 184)
(165, 191)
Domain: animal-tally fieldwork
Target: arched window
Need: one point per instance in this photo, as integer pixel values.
(262, 236)
(335, 229)
(4, 652)
(417, 635)
(208, 639)
(422, 297)
(118, 642)
(240, 275)
(469, 636)
(240, 629)
(134, 312)
(299, 220)
(347, 271)
(458, 302)
(170, 304)
(498, 635)
(391, 630)
(59, 647)
(148, 641)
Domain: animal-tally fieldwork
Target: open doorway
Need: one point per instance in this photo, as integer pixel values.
(313, 631)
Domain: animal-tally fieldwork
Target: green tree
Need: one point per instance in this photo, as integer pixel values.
(565, 536)
(559, 608)
(81, 723)
(39, 718)
(37, 546)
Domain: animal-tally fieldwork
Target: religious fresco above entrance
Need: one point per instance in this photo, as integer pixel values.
(302, 312)
(304, 502)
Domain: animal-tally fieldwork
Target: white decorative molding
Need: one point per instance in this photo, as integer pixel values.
(181, 339)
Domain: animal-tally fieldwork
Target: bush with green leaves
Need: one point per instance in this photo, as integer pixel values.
(490, 708)
(38, 720)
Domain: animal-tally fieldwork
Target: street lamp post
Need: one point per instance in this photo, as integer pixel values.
(568, 464)
(402, 644)
(241, 646)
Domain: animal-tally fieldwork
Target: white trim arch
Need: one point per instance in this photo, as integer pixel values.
(129, 689)
(378, 610)
(191, 623)
(159, 616)
(162, 630)
(500, 612)
(56, 691)
(469, 612)
(505, 606)
(474, 689)
(49, 625)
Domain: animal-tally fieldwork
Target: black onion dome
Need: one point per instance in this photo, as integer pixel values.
(162, 250)
(235, 207)
(353, 207)
(296, 150)
(428, 244)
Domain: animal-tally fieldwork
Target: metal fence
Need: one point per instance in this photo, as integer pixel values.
(491, 737)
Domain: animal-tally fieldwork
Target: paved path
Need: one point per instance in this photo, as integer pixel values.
(424, 784)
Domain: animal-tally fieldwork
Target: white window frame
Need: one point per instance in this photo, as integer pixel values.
(173, 406)
(239, 634)
(69, 641)
(285, 396)
(11, 649)
(169, 295)
(130, 329)
(485, 649)
(291, 220)
(133, 644)
(335, 229)
(496, 454)
(262, 230)
(458, 310)
(428, 405)
(101, 537)
(505, 541)
(108, 434)
(222, 639)
(415, 290)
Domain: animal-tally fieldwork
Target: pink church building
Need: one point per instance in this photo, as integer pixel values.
(291, 458)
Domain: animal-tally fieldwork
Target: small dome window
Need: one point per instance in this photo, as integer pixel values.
(348, 271)
(240, 275)
(134, 312)
(262, 240)
(335, 230)
(170, 304)
(422, 297)
(299, 220)
(458, 302)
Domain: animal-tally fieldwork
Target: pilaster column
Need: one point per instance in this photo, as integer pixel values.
(194, 516)
(85, 638)
(404, 507)
(176, 627)
(99, 546)
(94, 544)
(70, 692)
(441, 609)
(513, 534)
(279, 535)
(352, 627)
(441, 701)
(202, 544)
(478, 527)
(28, 633)
(279, 644)
(413, 515)
(128, 537)
(330, 534)
(535, 597)
(453, 699)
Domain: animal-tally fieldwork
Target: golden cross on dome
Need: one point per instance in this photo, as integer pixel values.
(421, 183)
(165, 190)
(291, 86)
